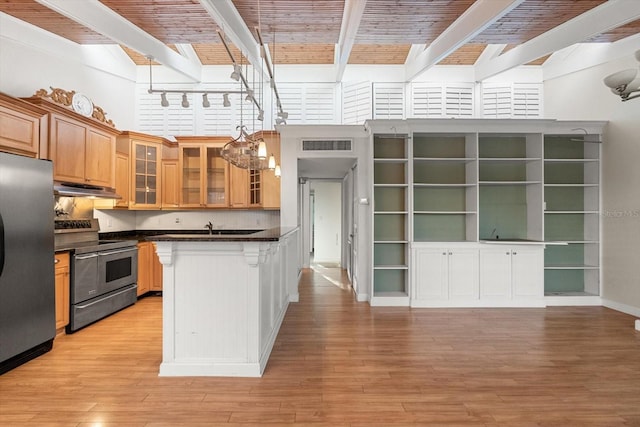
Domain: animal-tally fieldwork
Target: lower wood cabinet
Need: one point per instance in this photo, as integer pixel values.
(62, 289)
(149, 269)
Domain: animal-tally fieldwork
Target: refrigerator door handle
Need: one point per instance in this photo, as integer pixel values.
(1, 245)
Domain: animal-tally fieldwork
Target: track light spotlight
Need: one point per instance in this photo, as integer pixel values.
(205, 101)
(163, 100)
(280, 121)
(225, 100)
(185, 101)
(236, 72)
(283, 114)
(249, 96)
(261, 115)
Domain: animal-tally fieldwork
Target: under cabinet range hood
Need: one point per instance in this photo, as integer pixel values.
(70, 189)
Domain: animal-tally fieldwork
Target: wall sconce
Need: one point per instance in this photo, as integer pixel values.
(624, 83)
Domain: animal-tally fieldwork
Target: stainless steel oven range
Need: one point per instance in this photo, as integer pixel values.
(104, 273)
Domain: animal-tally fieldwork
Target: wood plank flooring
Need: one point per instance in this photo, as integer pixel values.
(341, 363)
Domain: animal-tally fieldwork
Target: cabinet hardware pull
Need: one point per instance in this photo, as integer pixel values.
(515, 253)
(444, 253)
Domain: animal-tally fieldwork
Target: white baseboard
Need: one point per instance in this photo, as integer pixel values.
(585, 301)
(634, 311)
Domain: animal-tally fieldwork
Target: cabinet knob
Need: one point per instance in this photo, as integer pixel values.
(444, 253)
(56, 260)
(507, 253)
(450, 253)
(515, 253)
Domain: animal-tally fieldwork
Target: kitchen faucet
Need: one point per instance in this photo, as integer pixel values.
(209, 225)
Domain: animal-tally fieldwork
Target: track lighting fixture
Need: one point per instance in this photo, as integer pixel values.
(283, 114)
(205, 101)
(225, 100)
(185, 101)
(281, 121)
(260, 115)
(249, 96)
(163, 99)
(237, 71)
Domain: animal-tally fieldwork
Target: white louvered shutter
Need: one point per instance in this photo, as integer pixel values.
(459, 100)
(426, 100)
(388, 101)
(356, 102)
(496, 101)
(527, 100)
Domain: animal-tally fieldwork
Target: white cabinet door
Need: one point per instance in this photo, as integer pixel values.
(495, 274)
(463, 274)
(431, 274)
(527, 270)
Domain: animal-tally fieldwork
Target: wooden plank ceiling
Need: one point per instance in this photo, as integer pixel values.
(307, 31)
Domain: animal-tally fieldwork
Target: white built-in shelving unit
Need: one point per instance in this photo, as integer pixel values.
(469, 193)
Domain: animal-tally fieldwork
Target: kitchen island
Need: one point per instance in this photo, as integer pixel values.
(224, 298)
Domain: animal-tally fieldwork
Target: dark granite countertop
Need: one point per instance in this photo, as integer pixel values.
(268, 235)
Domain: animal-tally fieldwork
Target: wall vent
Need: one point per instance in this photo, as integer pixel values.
(326, 145)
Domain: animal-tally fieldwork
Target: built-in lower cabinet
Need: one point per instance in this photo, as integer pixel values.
(512, 274)
(477, 275)
(444, 274)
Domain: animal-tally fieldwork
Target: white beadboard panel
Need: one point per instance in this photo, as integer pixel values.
(427, 100)
(388, 101)
(195, 220)
(214, 292)
(356, 102)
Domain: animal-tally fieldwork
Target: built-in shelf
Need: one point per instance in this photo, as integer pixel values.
(572, 176)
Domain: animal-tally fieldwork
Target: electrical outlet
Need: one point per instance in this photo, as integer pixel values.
(109, 223)
(177, 220)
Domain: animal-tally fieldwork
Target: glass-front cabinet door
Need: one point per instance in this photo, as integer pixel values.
(191, 176)
(217, 189)
(203, 172)
(146, 179)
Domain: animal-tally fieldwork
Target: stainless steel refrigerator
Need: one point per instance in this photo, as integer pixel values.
(27, 287)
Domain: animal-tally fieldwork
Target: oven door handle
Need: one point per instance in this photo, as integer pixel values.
(88, 256)
(116, 251)
(99, 301)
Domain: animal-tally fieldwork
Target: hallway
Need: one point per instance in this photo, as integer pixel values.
(341, 363)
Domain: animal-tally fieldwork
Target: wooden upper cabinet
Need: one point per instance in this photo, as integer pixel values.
(170, 189)
(239, 187)
(82, 148)
(203, 173)
(23, 127)
(145, 171)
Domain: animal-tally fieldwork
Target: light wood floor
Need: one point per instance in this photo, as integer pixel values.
(341, 363)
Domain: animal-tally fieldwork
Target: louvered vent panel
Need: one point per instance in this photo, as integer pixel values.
(356, 102)
(527, 101)
(388, 101)
(180, 120)
(496, 101)
(459, 100)
(326, 145)
(320, 106)
(217, 119)
(150, 114)
(292, 102)
(427, 100)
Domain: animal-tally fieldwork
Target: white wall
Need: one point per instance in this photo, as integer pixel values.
(327, 221)
(33, 59)
(583, 95)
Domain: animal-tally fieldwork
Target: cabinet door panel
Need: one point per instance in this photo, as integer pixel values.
(431, 275)
(170, 192)
(99, 159)
(239, 184)
(122, 179)
(527, 266)
(463, 274)
(68, 150)
(495, 274)
(19, 131)
(144, 267)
